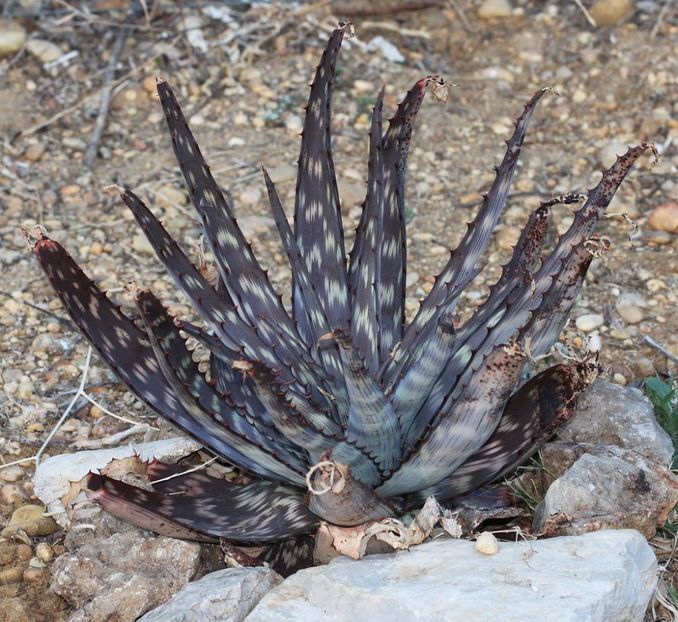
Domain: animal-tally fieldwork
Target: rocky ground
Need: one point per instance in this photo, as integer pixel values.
(242, 77)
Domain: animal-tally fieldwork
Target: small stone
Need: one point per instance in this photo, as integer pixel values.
(487, 544)
(644, 367)
(149, 85)
(169, 196)
(363, 86)
(34, 575)
(44, 552)
(590, 321)
(611, 12)
(11, 575)
(630, 313)
(45, 51)
(12, 37)
(608, 154)
(507, 237)
(31, 520)
(619, 379)
(293, 122)
(35, 152)
(491, 9)
(250, 196)
(351, 192)
(252, 226)
(73, 142)
(664, 218)
(472, 198)
(141, 245)
(579, 96)
(69, 190)
(411, 279)
(11, 473)
(282, 173)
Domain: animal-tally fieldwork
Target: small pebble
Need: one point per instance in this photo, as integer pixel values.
(12, 37)
(44, 552)
(619, 379)
(34, 575)
(35, 152)
(664, 218)
(610, 12)
(491, 9)
(11, 473)
(31, 520)
(45, 51)
(487, 544)
(11, 575)
(590, 321)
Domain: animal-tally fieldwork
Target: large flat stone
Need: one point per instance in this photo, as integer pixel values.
(608, 414)
(607, 576)
(225, 595)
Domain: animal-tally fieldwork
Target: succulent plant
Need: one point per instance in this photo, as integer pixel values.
(339, 410)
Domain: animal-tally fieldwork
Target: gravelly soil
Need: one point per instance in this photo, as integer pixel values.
(617, 86)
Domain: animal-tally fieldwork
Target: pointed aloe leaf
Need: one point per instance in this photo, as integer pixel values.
(391, 247)
(317, 214)
(217, 312)
(225, 428)
(365, 291)
(372, 420)
(240, 272)
(467, 420)
(315, 323)
(291, 423)
(532, 415)
(510, 308)
(122, 345)
(463, 261)
(257, 512)
(289, 556)
(132, 505)
(249, 420)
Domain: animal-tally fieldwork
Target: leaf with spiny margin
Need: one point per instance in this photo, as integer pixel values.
(372, 420)
(247, 420)
(465, 423)
(240, 272)
(317, 215)
(433, 370)
(125, 349)
(550, 318)
(363, 266)
(516, 304)
(217, 312)
(126, 503)
(271, 392)
(233, 445)
(310, 306)
(289, 556)
(256, 512)
(463, 261)
(532, 415)
(391, 246)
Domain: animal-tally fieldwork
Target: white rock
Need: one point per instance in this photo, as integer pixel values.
(12, 37)
(607, 576)
(608, 414)
(219, 596)
(610, 151)
(52, 479)
(389, 51)
(606, 488)
(590, 321)
(495, 8)
(45, 51)
(487, 544)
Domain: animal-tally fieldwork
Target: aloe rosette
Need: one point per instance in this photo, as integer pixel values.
(337, 409)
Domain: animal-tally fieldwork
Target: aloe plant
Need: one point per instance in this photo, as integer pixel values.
(338, 410)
